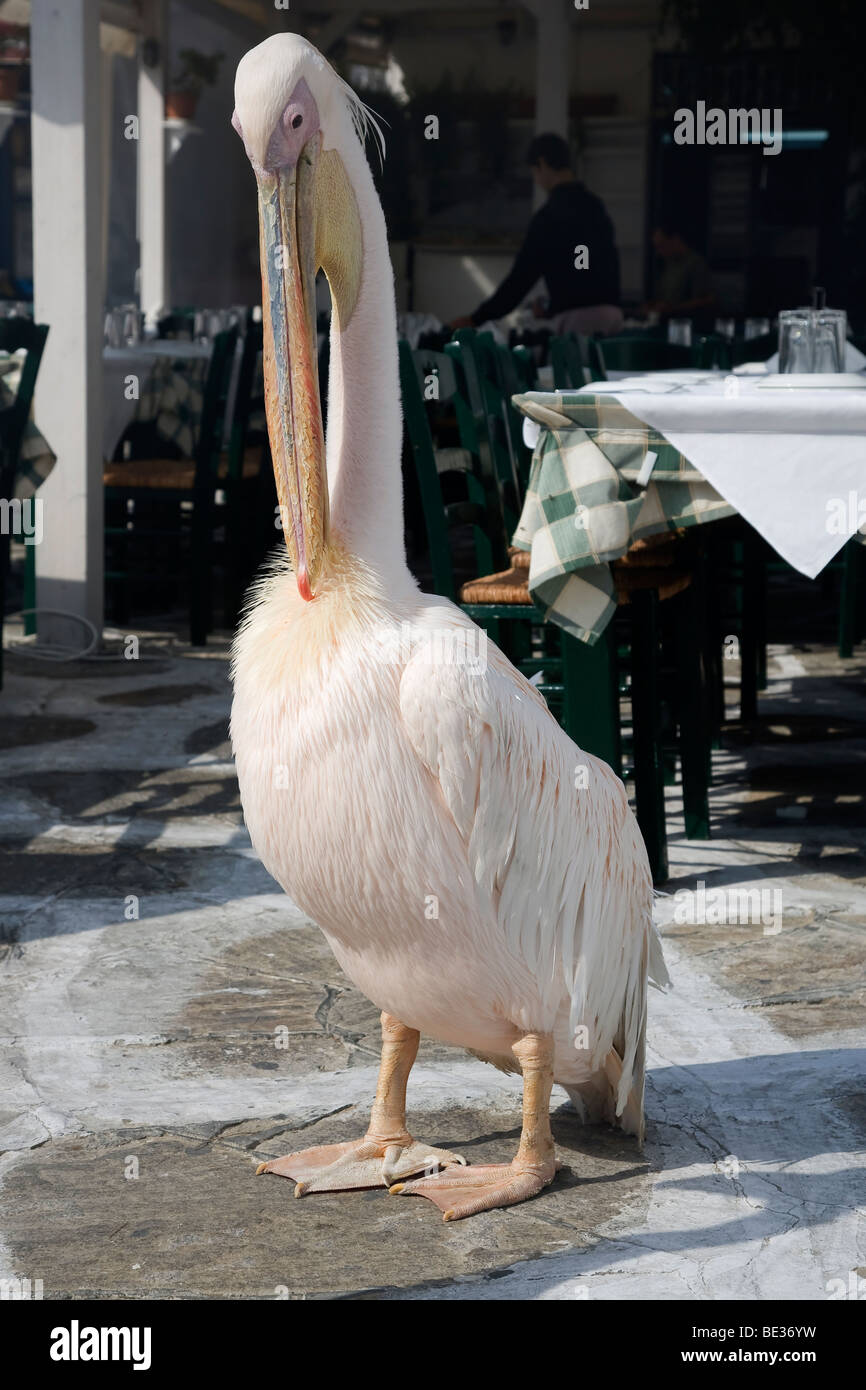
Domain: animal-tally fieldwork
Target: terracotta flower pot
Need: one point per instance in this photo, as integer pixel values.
(180, 106)
(10, 82)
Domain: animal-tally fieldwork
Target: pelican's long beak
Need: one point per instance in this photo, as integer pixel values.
(287, 227)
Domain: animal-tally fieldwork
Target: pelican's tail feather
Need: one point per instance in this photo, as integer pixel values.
(619, 952)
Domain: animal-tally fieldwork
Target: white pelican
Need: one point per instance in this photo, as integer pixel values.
(476, 875)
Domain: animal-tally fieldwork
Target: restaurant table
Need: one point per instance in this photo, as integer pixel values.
(621, 460)
(36, 458)
(170, 376)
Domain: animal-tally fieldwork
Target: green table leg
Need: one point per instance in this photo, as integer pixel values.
(648, 770)
(849, 605)
(752, 622)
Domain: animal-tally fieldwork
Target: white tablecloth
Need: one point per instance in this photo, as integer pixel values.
(792, 462)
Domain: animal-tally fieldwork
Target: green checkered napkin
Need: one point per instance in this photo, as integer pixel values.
(585, 504)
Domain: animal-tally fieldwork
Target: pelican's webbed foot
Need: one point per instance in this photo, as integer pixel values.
(387, 1152)
(501, 1185)
(481, 1188)
(367, 1162)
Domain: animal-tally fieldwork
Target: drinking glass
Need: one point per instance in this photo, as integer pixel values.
(114, 328)
(795, 341)
(131, 326)
(831, 325)
(680, 331)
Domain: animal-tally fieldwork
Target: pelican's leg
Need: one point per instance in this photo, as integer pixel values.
(387, 1151)
(501, 1185)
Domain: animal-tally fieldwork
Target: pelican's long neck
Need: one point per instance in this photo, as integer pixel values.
(364, 433)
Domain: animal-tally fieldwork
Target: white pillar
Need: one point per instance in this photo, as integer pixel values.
(68, 277)
(154, 285)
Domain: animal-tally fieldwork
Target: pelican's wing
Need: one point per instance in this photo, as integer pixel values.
(549, 838)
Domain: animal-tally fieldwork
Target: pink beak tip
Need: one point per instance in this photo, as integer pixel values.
(304, 585)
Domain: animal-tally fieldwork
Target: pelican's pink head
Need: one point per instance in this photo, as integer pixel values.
(294, 115)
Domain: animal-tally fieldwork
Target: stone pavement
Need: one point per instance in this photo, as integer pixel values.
(168, 1018)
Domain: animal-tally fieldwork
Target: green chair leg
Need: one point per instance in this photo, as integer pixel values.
(646, 733)
(516, 639)
(590, 713)
(200, 611)
(30, 589)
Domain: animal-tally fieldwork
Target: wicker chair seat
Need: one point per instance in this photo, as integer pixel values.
(512, 586)
(172, 473)
(509, 586)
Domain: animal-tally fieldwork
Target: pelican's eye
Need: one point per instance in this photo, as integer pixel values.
(296, 121)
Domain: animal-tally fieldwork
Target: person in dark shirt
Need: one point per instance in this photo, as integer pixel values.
(570, 245)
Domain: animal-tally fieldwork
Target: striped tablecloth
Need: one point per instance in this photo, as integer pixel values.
(588, 501)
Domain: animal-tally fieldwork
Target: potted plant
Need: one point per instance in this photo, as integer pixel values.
(196, 71)
(14, 53)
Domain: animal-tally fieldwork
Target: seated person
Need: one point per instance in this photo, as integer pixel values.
(683, 284)
(584, 297)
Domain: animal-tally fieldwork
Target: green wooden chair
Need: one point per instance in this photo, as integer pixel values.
(568, 358)
(508, 381)
(525, 367)
(18, 335)
(429, 378)
(484, 417)
(166, 505)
